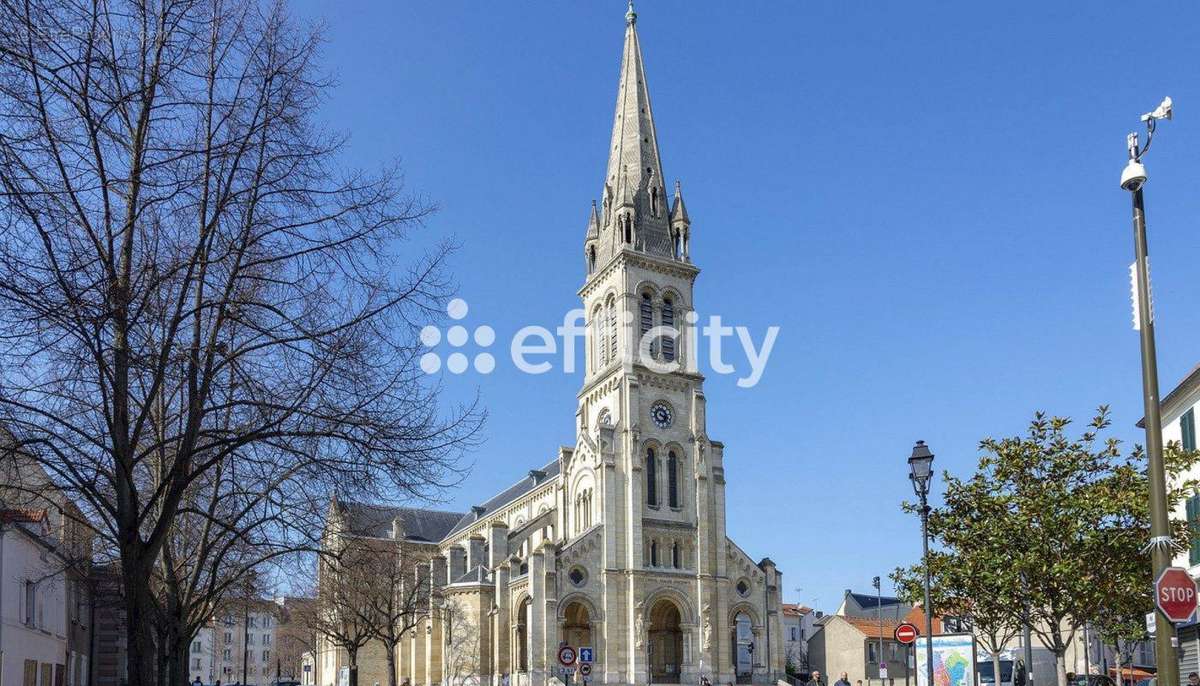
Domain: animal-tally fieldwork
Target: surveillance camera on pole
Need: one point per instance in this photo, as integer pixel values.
(1134, 174)
(1133, 179)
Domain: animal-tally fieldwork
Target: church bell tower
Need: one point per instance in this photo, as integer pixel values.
(642, 443)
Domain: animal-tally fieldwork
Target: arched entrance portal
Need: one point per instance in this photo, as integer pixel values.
(743, 657)
(577, 625)
(666, 643)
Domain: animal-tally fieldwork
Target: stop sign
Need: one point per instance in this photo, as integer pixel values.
(1175, 594)
(906, 633)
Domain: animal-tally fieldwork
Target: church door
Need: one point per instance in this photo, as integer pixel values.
(666, 643)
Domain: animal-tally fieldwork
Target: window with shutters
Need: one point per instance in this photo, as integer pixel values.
(672, 480)
(1193, 518)
(651, 478)
(612, 331)
(1187, 429)
(600, 339)
(646, 322)
(668, 321)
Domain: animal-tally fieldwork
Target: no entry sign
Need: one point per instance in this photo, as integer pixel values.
(906, 633)
(1175, 594)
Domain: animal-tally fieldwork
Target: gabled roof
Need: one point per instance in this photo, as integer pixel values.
(423, 525)
(1190, 382)
(796, 610)
(536, 477)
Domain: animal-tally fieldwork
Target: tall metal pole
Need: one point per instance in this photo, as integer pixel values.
(1160, 533)
(928, 604)
(1027, 630)
(879, 618)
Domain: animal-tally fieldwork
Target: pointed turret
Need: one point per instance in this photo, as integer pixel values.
(634, 207)
(681, 232)
(678, 210)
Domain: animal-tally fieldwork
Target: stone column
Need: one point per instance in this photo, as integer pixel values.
(458, 562)
(501, 655)
(550, 613)
(537, 622)
(438, 573)
(497, 544)
(475, 552)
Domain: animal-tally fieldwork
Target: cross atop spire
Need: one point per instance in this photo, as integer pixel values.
(630, 15)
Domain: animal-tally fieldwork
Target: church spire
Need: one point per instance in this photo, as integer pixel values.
(634, 207)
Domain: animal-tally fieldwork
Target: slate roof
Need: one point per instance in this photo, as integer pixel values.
(496, 502)
(429, 526)
(478, 575)
(870, 602)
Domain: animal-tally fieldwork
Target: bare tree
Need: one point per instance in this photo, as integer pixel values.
(342, 615)
(205, 329)
(398, 593)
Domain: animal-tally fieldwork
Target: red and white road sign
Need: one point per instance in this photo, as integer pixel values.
(566, 656)
(906, 633)
(585, 669)
(1175, 594)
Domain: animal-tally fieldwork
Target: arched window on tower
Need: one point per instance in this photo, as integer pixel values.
(651, 478)
(612, 331)
(628, 222)
(591, 259)
(653, 553)
(672, 480)
(668, 321)
(675, 555)
(646, 322)
(599, 340)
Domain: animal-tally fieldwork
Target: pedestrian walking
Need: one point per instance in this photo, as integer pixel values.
(844, 680)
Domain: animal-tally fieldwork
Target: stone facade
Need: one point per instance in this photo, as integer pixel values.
(619, 542)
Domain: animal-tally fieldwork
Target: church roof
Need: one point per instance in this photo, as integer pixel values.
(479, 575)
(536, 478)
(419, 524)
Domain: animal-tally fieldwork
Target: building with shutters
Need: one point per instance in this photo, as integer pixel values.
(618, 542)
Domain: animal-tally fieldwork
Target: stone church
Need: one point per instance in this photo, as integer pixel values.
(618, 544)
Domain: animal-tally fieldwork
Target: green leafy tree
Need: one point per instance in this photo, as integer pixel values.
(1053, 525)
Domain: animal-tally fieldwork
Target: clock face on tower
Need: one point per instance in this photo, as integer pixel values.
(660, 412)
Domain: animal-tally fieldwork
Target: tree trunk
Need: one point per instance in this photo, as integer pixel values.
(999, 678)
(352, 658)
(391, 663)
(1060, 662)
(141, 655)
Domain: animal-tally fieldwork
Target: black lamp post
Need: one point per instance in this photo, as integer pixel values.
(920, 465)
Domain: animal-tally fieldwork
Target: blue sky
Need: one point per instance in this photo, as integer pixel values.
(923, 196)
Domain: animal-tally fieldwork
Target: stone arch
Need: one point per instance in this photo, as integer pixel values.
(746, 608)
(687, 613)
(583, 599)
(677, 300)
(647, 286)
(522, 653)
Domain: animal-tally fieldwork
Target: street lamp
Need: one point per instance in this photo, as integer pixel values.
(920, 465)
(1133, 178)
